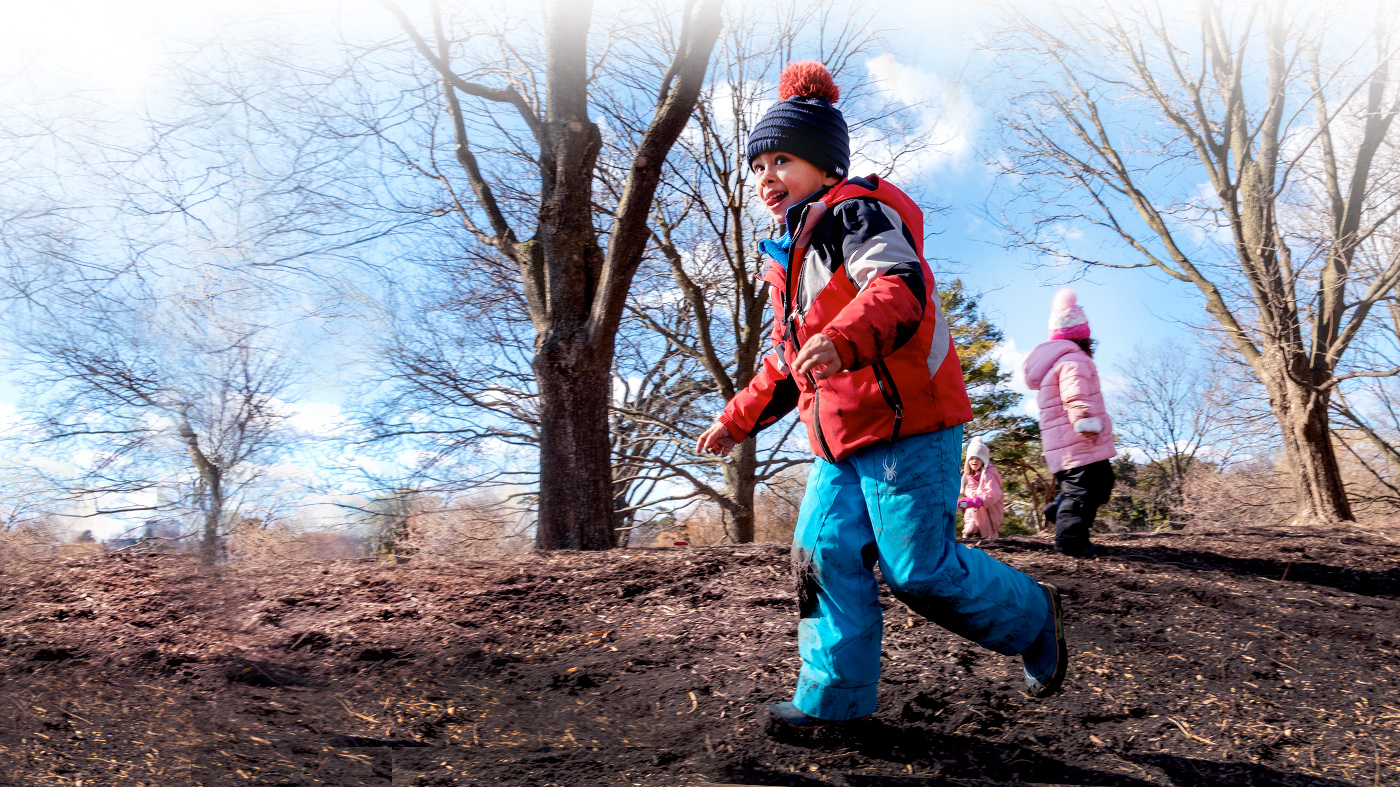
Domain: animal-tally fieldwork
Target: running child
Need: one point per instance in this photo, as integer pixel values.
(862, 351)
(1075, 430)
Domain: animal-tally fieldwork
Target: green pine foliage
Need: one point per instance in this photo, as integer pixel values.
(1147, 496)
(1025, 479)
(1013, 439)
(977, 340)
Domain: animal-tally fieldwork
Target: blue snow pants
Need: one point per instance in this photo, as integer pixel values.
(894, 504)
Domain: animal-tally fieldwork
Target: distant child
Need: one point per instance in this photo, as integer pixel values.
(1075, 429)
(862, 351)
(981, 493)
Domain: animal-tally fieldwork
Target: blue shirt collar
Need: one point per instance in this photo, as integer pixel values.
(780, 248)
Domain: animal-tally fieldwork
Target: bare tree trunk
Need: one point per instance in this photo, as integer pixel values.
(576, 500)
(1302, 414)
(213, 513)
(575, 289)
(740, 480)
(211, 478)
(571, 367)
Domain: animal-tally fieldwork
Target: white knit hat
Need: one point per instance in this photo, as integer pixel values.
(979, 449)
(1067, 320)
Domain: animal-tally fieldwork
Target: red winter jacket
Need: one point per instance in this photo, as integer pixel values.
(858, 276)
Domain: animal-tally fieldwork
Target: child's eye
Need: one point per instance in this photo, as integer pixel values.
(780, 159)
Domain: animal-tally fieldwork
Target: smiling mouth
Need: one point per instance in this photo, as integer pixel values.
(775, 199)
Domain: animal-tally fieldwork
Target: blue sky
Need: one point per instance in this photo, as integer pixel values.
(942, 58)
(935, 56)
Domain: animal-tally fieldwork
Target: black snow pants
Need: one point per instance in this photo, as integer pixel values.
(1082, 491)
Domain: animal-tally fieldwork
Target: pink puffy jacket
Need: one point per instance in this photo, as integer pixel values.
(1071, 403)
(984, 521)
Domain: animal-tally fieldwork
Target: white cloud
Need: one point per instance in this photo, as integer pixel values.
(315, 418)
(90, 458)
(948, 120)
(1011, 358)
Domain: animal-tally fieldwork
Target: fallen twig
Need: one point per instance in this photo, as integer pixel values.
(1181, 725)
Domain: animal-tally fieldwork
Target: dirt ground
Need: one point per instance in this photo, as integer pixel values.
(1255, 657)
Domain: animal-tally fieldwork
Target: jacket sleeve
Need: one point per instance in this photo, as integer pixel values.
(879, 257)
(1078, 384)
(991, 487)
(769, 396)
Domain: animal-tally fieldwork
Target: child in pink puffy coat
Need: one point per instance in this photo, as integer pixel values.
(1075, 430)
(981, 493)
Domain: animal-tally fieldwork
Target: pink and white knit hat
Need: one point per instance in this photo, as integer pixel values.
(979, 449)
(1067, 320)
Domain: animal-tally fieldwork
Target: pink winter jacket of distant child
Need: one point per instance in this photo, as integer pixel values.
(985, 520)
(1071, 404)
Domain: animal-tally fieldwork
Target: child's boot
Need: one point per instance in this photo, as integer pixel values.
(787, 714)
(1047, 658)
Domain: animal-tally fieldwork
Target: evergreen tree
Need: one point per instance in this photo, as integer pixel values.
(1013, 439)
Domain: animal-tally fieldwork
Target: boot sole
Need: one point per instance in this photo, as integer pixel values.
(1057, 679)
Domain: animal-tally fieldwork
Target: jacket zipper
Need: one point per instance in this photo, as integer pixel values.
(891, 394)
(817, 417)
(790, 322)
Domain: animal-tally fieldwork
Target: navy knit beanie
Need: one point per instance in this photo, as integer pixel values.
(804, 122)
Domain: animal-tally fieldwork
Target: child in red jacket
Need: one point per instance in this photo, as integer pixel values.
(862, 351)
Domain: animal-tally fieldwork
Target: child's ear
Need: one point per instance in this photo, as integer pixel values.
(831, 180)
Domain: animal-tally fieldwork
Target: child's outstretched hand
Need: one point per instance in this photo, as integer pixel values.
(715, 440)
(819, 357)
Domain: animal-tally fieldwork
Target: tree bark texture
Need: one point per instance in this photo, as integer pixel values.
(1302, 414)
(740, 481)
(211, 479)
(576, 287)
(576, 501)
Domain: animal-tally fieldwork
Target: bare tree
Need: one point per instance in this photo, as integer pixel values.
(1179, 411)
(575, 285)
(1168, 409)
(706, 227)
(1368, 429)
(661, 394)
(1286, 112)
(1366, 411)
(175, 403)
(450, 379)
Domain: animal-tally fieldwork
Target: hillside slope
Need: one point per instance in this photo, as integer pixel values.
(1256, 657)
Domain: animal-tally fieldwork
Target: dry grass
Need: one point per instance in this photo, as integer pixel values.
(775, 517)
(1236, 497)
(280, 543)
(39, 540)
(475, 528)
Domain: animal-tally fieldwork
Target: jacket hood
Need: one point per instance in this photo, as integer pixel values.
(1044, 356)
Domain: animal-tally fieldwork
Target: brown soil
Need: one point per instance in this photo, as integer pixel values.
(1254, 657)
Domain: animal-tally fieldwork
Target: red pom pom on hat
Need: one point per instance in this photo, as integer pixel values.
(807, 79)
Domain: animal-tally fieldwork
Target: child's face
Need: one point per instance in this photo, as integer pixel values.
(783, 180)
(975, 464)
